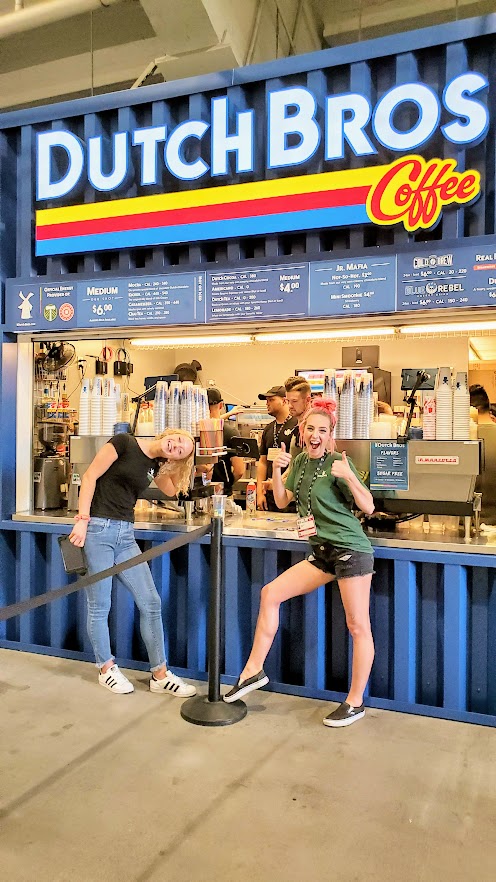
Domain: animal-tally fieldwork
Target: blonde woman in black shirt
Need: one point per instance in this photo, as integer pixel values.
(120, 471)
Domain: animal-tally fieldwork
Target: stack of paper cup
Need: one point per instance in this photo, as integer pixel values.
(204, 408)
(96, 407)
(344, 428)
(429, 419)
(461, 408)
(84, 408)
(160, 407)
(330, 390)
(444, 405)
(174, 405)
(196, 410)
(186, 406)
(364, 406)
(109, 409)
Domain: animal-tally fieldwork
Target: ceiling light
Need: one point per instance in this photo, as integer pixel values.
(176, 342)
(342, 333)
(446, 328)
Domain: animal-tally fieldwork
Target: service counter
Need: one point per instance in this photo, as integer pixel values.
(433, 610)
(435, 533)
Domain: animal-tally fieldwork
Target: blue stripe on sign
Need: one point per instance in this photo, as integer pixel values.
(249, 226)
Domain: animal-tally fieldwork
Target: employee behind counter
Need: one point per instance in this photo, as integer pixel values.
(229, 468)
(486, 432)
(279, 430)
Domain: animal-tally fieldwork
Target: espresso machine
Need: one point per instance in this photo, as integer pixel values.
(49, 468)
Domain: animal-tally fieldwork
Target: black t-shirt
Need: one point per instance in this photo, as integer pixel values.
(117, 490)
(273, 435)
(223, 468)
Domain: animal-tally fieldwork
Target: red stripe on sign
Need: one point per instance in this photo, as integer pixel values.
(222, 211)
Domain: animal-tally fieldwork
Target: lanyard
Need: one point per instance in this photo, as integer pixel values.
(300, 479)
(276, 434)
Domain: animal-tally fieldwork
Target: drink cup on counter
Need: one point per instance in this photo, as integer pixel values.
(122, 427)
(211, 435)
(211, 439)
(189, 507)
(218, 505)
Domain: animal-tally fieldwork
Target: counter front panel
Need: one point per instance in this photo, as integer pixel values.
(433, 616)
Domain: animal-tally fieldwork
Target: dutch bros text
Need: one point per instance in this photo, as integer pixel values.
(293, 135)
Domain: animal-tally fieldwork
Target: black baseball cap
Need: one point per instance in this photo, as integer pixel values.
(280, 391)
(214, 395)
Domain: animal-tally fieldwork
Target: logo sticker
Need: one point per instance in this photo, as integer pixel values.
(26, 307)
(50, 312)
(66, 312)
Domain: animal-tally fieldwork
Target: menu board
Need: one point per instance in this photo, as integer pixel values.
(257, 292)
(173, 299)
(420, 279)
(388, 466)
(353, 286)
(176, 298)
(444, 278)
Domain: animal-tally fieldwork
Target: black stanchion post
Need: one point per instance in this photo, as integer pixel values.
(210, 709)
(214, 610)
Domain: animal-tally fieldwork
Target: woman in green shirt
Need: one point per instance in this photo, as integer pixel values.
(325, 486)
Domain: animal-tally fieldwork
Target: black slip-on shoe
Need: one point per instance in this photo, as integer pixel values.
(244, 686)
(344, 715)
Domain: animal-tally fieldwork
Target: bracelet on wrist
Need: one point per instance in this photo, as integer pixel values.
(80, 517)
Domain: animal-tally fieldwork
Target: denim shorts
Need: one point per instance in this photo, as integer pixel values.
(340, 562)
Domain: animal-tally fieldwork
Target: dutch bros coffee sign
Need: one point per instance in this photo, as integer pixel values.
(409, 190)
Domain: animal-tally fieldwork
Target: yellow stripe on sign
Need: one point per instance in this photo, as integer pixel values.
(361, 177)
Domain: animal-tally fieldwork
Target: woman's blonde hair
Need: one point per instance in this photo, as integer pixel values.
(179, 471)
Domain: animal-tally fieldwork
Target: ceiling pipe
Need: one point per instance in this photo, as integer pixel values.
(27, 19)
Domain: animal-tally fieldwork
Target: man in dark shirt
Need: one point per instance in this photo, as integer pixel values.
(279, 430)
(229, 468)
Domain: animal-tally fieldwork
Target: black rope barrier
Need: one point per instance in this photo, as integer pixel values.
(17, 609)
(203, 710)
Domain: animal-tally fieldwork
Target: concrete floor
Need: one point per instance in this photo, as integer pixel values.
(102, 788)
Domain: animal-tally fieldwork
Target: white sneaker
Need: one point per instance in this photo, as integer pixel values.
(115, 680)
(173, 685)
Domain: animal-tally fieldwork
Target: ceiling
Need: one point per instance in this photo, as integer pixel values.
(57, 49)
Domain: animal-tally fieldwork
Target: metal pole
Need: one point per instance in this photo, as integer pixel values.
(214, 613)
(210, 709)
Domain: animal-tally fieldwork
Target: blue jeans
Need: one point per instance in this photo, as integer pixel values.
(110, 542)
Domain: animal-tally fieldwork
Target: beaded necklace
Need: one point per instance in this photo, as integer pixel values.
(302, 475)
(277, 434)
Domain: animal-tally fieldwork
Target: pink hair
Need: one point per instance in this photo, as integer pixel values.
(322, 407)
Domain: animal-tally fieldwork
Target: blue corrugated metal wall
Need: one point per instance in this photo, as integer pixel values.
(433, 618)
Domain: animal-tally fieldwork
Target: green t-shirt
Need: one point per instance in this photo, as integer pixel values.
(331, 503)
